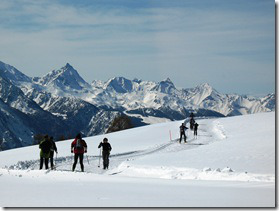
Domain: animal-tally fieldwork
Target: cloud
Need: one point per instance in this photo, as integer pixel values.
(147, 42)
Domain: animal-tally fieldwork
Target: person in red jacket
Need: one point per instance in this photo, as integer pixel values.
(78, 147)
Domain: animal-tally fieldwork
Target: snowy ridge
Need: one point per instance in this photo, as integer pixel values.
(66, 98)
(120, 93)
(225, 174)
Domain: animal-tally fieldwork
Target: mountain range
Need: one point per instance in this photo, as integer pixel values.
(62, 103)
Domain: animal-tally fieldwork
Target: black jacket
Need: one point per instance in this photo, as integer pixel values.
(183, 128)
(53, 148)
(106, 146)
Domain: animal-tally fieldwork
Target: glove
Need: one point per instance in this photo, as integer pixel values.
(85, 151)
(72, 151)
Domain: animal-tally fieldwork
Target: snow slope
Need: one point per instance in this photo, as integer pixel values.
(230, 164)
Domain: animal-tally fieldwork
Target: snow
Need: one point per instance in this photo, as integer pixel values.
(230, 164)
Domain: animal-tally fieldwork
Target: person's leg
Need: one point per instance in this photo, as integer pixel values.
(180, 137)
(46, 162)
(184, 137)
(104, 159)
(41, 162)
(51, 159)
(75, 161)
(81, 162)
(107, 160)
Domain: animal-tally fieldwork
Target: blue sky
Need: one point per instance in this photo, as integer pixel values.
(228, 44)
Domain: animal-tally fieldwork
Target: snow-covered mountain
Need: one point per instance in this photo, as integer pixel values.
(10, 73)
(17, 108)
(62, 80)
(62, 97)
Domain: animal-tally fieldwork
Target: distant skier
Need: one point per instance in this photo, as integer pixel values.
(196, 125)
(106, 152)
(192, 122)
(52, 150)
(182, 132)
(45, 146)
(78, 147)
(192, 115)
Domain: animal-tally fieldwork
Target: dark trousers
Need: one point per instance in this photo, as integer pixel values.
(195, 132)
(191, 126)
(80, 156)
(182, 134)
(42, 161)
(51, 159)
(106, 159)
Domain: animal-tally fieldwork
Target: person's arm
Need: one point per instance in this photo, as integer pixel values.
(100, 145)
(85, 146)
(72, 147)
(54, 147)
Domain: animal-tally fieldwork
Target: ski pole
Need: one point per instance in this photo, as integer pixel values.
(87, 159)
(99, 158)
(55, 159)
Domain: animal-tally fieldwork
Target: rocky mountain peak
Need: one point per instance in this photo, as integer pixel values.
(120, 85)
(10, 73)
(64, 77)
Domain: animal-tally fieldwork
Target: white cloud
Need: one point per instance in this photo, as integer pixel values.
(37, 36)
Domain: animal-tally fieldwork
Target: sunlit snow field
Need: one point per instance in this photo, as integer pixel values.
(230, 164)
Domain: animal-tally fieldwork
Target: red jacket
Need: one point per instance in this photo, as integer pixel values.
(79, 150)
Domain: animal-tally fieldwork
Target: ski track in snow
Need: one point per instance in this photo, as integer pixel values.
(120, 166)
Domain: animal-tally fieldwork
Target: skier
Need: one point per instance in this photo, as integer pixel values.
(45, 146)
(106, 152)
(196, 129)
(192, 122)
(53, 148)
(78, 147)
(192, 115)
(182, 132)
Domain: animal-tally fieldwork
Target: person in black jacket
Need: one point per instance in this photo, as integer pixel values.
(192, 122)
(52, 150)
(196, 130)
(182, 132)
(106, 152)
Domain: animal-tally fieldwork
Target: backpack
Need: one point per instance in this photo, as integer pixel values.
(79, 144)
(182, 129)
(45, 146)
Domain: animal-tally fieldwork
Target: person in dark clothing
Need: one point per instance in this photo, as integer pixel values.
(45, 146)
(196, 129)
(182, 132)
(52, 150)
(78, 147)
(192, 122)
(192, 115)
(106, 152)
